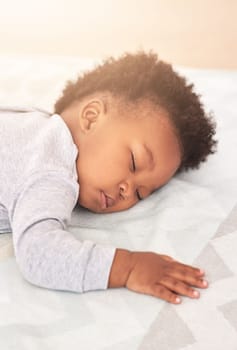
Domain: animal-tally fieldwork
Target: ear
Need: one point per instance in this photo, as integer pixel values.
(91, 114)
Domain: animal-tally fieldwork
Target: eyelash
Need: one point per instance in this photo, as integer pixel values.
(134, 169)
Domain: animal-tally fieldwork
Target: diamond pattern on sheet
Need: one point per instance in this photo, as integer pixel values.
(225, 247)
(229, 312)
(229, 225)
(197, 325)
(178, 336)
(213, 263)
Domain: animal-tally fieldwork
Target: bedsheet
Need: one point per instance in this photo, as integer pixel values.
(193, 218)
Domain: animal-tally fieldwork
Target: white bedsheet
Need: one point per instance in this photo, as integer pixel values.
(179, 220)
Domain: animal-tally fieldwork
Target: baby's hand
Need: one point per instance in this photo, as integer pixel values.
(156, 275)
(163, 277)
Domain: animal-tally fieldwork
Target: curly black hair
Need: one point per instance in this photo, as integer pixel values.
(142, 75)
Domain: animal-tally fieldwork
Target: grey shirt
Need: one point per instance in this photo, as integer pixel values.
(38, 191)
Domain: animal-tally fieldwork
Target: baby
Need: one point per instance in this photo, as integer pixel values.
(117, 134)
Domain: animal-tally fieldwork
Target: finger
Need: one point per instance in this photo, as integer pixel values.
(179, 287)
(191, 269)
(167, 258)
(162, 292)
(190, 277)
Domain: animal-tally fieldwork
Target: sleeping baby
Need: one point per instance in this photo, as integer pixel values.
(118, 133)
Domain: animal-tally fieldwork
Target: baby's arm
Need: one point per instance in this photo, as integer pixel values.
(47, 254)
(51, 257)
(154, 274)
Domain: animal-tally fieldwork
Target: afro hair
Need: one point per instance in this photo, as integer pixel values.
(142, 75)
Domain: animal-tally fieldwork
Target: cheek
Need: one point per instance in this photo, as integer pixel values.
(88, 163)
(108, 164)
(95, 172)
(121, 206)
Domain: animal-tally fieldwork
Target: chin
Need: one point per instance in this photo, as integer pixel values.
(93, 210)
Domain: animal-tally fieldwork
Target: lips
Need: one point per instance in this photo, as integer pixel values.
(103, 200)
(106, 201)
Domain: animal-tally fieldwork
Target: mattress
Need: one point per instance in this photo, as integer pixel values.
(193, 219)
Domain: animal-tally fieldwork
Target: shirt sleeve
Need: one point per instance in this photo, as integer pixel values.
(47, 254)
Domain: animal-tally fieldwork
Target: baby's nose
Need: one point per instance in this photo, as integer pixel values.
(126, 189)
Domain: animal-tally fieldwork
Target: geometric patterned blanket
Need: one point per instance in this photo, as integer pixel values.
(179, 220)
(212, 322)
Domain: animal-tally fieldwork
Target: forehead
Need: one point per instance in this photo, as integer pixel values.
(138, 108)
(146, 119)
(143, 118)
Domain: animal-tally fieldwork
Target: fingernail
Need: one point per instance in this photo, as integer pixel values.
(202, 272)
(196, 294)
(204, 283)
(178, 300)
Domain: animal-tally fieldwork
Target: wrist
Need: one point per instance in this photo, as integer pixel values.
(120, 269)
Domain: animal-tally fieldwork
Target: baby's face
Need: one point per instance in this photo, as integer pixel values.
(123, 159)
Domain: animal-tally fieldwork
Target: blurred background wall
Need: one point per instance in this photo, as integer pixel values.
(200, 33)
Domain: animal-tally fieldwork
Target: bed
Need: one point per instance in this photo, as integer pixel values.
(193, 219)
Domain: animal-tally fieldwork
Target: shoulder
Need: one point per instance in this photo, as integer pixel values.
(39, 140)
(54, 145)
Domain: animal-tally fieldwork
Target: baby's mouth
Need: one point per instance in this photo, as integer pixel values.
(103, 200)
(106, 201)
